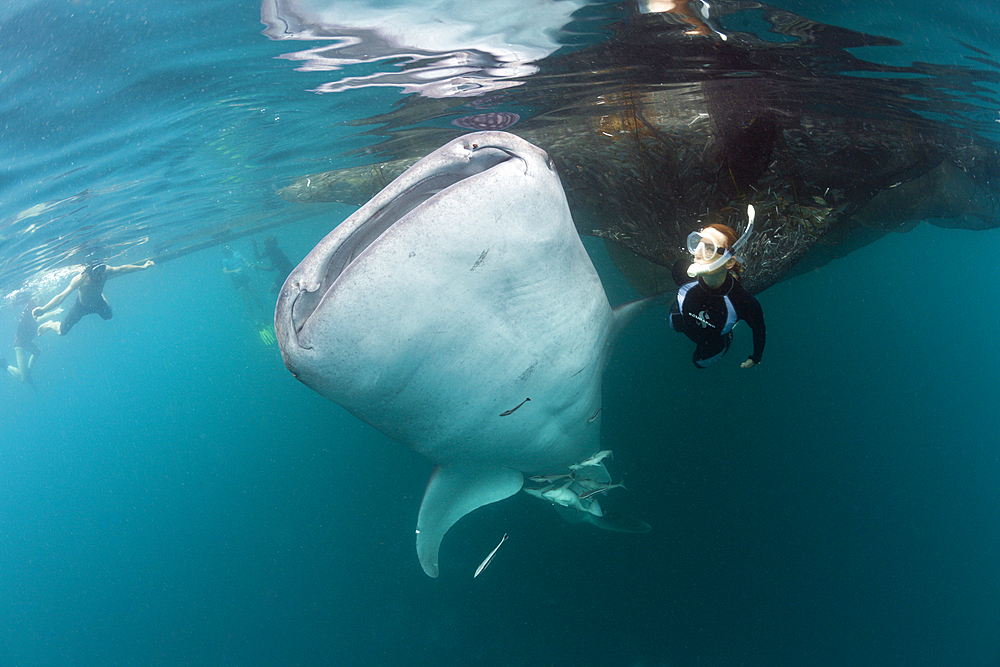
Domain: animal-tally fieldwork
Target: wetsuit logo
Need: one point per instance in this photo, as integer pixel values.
(702, 319)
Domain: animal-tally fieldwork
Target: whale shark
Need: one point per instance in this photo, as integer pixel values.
(459, 313)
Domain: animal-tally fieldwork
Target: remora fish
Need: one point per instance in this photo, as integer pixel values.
(593, 460)
(489, 559)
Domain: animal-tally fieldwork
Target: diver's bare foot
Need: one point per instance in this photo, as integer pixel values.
(45, 326)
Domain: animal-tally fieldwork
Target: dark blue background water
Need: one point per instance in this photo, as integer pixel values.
(170, 495)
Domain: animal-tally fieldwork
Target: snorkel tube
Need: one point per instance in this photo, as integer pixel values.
(699, 268)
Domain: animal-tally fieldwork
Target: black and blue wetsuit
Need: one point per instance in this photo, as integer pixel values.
(707, 316)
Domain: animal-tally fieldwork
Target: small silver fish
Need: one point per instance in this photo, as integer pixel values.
(482, 566)
(593, 460)
(603, 489)
(548, 479)
(566, 497)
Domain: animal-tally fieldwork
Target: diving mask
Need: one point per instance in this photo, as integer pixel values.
(710, 257)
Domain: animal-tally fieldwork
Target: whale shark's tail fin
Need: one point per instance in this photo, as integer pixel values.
(453, 492)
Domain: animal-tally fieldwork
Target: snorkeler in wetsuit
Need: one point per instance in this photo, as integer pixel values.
(708, 307)
(279, 262)
(90, 298)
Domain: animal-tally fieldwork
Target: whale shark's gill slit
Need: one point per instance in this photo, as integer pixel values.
(302, 306)
(501, 149)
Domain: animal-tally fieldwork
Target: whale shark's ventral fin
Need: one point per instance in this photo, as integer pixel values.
(616, 523)
(454, 491)
(626, 312)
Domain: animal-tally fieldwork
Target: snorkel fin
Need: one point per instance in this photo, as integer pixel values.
(699, 268)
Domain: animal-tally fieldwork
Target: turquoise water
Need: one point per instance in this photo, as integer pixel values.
(171, 495)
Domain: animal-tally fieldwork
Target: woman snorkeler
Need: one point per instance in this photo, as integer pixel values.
(708, 307)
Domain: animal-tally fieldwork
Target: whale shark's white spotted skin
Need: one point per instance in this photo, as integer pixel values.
(438, 309)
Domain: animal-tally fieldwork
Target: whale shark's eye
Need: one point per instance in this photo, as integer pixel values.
(475, 146)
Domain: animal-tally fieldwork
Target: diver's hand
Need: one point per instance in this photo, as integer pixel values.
(749, 363)
(148, 264)
(37, 312)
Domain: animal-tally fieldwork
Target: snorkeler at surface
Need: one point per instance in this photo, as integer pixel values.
(708, 307)
(90, 298)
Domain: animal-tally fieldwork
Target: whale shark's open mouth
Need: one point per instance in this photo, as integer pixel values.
(366, 232)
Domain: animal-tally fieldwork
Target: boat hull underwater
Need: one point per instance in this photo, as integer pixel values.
(660, 130)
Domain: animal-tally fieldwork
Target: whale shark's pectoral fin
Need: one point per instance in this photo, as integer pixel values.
(453, 492)
(626, 312)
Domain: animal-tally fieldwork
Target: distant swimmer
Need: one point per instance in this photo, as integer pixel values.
(708, 307)
(26, 351)
(278, 262)
(90, 298)
(236, 267)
